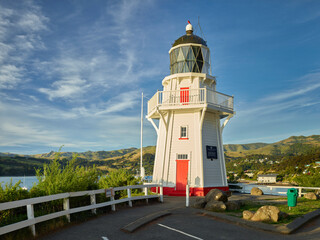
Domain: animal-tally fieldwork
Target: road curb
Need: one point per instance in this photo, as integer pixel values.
(284, 229)
(131, 227)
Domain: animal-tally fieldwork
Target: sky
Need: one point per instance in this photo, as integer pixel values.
(72, 72)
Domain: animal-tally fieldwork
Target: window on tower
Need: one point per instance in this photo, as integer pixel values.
(183, 133)
(190, 59)
(182, 156)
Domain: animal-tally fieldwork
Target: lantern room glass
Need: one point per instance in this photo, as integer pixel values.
(190, 59)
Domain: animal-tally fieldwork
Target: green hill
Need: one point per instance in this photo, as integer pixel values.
(14, 164)
(99, 155)
(294, 145)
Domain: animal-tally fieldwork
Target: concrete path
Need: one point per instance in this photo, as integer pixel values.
(182, 223)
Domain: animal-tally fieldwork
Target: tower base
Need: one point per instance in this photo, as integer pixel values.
(200, 191)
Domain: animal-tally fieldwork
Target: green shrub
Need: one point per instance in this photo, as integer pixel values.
(12, 192)
(312, 180)
(57, 178)
(119, 178)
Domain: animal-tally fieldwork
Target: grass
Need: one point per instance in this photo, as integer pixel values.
(303, 207)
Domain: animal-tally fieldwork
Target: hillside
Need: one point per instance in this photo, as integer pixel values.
(294, 145)
(13, 164)
(130, 161)
(99, 155)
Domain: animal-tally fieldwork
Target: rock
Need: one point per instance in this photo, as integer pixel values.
(311, 195)
(247, 215)
(215, 206)
(229, 193)
(217, 195)
(256, 191)
(199, 203)
(233, 205)
(283, 215)
(267, 213)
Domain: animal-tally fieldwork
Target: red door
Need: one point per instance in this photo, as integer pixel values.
(182, 175)
(184, 95)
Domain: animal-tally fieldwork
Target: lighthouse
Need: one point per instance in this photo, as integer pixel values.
(191, 115)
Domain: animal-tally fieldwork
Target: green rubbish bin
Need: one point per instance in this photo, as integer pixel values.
(292, 195)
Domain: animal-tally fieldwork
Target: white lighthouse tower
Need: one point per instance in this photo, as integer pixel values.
(189, 145)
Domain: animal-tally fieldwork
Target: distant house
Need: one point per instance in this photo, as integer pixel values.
(267, 178)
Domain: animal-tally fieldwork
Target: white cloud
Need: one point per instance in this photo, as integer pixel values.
(82, 70)
(290, 112)
(19, 37)
(10, 76)
(32, 21)
(309, 82)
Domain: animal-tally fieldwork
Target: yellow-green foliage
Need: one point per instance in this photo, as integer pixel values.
(12, 192)
(9, 193)
(312, 180)
(118, 178)
(56, 178)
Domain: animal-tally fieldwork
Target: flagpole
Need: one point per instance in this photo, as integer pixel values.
(141, 139)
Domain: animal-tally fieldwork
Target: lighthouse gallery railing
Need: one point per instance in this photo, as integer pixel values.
(190, 97)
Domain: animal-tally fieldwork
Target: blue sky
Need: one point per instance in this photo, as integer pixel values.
(72, 72)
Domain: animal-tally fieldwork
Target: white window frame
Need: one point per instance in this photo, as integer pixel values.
(182, 156)
(186, 136)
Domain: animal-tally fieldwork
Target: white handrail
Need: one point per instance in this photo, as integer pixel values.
(189, 97)
(243, 190)
(29, 203)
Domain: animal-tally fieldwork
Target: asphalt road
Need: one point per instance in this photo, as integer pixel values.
(183, 223)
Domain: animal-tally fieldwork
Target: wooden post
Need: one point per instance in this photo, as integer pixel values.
(93, 202)
(129, 196)
(66, 206)
(146, 194)
(300, 191)
(30, 214)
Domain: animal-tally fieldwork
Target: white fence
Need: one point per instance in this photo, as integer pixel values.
(268, 189)
(29, 203)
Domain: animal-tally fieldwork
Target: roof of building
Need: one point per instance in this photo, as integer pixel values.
(189, 38)
(267, 175)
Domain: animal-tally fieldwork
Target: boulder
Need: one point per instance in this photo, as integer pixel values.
(247, 215)
(215, 206)
(256, 191)
(283, 215)
(233, 205)
(199, 203)
(311, 195)
(217, 195)
(267, 213)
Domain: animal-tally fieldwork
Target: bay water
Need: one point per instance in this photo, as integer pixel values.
(26, 181)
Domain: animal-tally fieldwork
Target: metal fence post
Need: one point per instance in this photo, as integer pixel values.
(93, 202)
(161, 194)
(30, 214)
(187, 195)
(146, 194)
(66, 206)
(129, 197)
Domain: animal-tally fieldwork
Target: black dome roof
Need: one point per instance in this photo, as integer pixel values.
(189, 38)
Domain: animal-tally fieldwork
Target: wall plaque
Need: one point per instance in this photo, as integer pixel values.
(212, 152)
